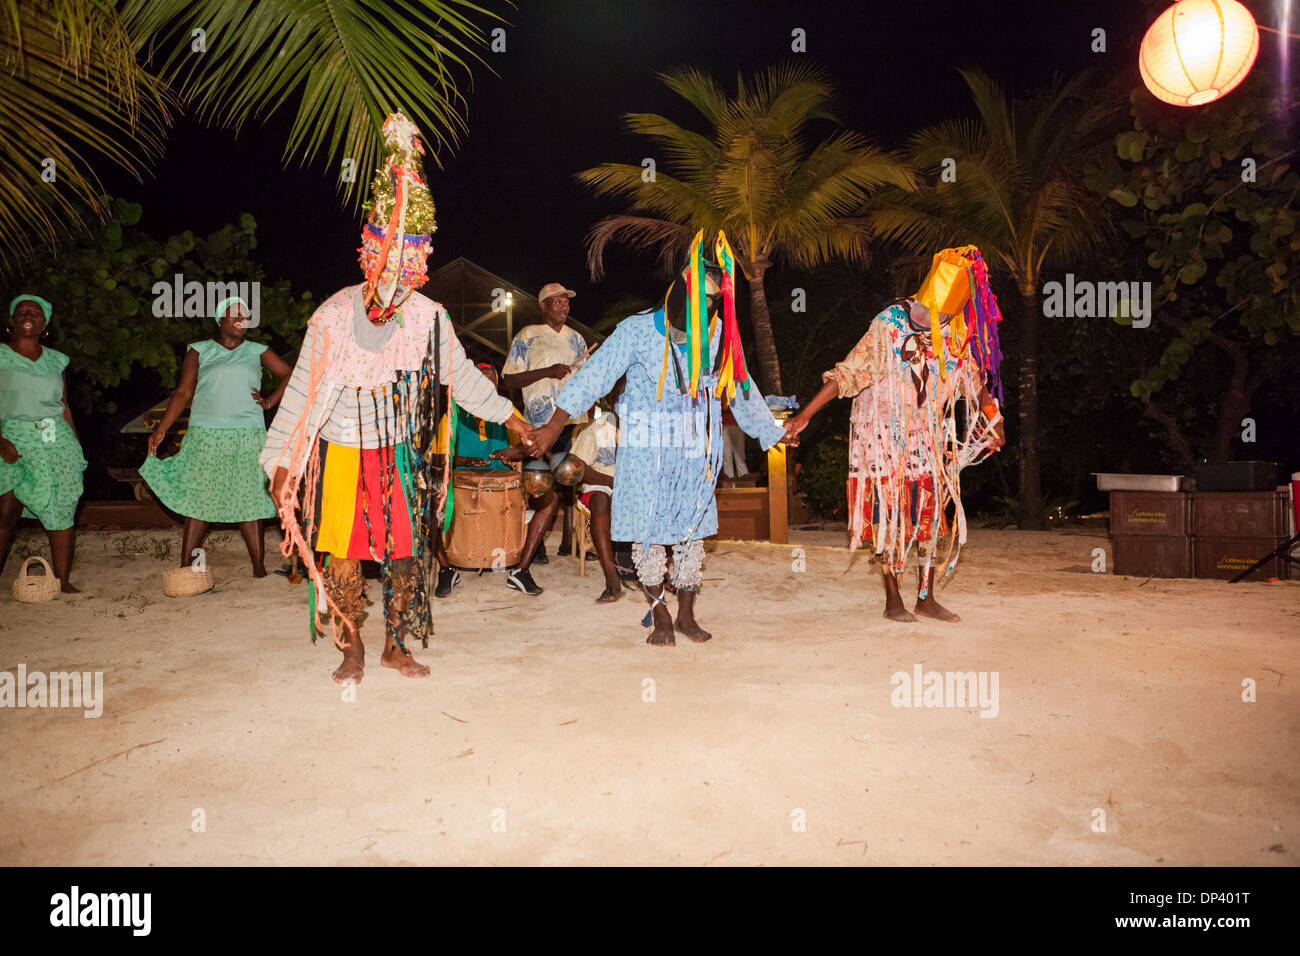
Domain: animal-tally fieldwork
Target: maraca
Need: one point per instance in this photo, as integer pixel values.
(538, 479)
(567, 470)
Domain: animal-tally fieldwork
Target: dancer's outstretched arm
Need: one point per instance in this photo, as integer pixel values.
(592, 381)
(797, 423)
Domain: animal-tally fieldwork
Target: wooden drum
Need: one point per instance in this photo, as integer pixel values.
(488, 518)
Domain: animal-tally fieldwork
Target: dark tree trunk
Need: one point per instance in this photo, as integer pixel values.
(769, 366)
(1177, 440)
(1236, 403)
(1031, 492)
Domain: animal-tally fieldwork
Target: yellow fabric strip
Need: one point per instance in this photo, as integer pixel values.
(338, 499)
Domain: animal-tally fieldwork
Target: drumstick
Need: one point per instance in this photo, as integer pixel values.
(573, 366)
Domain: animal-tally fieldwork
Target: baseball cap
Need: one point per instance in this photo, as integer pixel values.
(554, 288)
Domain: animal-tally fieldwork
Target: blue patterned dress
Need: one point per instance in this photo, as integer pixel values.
(669, 450)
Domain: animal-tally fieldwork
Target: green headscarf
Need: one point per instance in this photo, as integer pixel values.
(225, 304)
(43, 303)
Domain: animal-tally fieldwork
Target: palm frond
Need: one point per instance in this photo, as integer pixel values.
(700, 90)
(73, 106)
(347, 63)
(993, 108)
(668, 239)
(687, 149)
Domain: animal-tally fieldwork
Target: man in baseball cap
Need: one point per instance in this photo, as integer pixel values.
(541, 359)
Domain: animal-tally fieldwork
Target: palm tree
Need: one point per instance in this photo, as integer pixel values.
(71, 94)
(1018, 194)
(97, 79)
(752, 175)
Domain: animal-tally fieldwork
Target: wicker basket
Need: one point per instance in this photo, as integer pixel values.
(186, 582)
(31, 588)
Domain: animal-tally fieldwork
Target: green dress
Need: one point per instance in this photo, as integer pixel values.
(216, 476)
(47, 479)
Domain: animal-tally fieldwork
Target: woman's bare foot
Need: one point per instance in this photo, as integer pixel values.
(611, 593)
(402, 662)
(67, 588)
(354, 658)
(259, 570)
(932, 608)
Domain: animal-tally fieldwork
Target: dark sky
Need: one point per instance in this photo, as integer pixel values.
(507, 198)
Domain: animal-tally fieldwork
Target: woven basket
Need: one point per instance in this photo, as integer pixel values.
(186, 582)
(31, 588)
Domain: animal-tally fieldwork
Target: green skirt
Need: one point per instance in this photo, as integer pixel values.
(214, 477)
(47, 478)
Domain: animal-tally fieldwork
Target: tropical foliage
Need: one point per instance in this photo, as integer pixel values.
(1010, 180)
(89, 81)
(102, 288)
(1208, 196)
(752, 172)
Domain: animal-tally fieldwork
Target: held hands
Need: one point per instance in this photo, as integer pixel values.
(527, 434)
(546, 436)
(793, 426)
(8, 452)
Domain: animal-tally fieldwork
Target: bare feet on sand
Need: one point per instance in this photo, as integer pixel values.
(896, 611)
(354, 658)
(691, 629)
(662, 635)
(933, 609)
(402, 662)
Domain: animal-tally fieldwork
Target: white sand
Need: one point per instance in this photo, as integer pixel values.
(1115, 694)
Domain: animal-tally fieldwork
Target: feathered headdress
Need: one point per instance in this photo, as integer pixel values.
(397, 239)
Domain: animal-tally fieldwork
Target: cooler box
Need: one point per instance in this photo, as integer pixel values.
(1152, 556)
(1226, 557)
(1157, 513)
(1242, 514)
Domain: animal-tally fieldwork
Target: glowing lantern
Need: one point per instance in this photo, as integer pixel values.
(1198, 50)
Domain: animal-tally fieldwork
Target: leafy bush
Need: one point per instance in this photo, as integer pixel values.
(824, 477)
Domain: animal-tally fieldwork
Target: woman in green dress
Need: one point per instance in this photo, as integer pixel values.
(40, 456)
(216, 475)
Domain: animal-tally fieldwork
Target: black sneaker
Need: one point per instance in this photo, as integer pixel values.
(521, 580)
(565, 550)
(540, 557)
(448, 578)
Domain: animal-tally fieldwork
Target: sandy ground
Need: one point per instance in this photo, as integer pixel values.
(551, 734)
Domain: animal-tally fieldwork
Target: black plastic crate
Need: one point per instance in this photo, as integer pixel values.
(1235, 475)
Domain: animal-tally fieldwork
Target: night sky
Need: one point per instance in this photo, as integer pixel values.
(507, 197)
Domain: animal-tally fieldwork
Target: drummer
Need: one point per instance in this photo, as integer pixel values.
(476, 441)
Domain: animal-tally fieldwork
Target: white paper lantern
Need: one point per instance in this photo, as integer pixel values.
(1198, 50)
